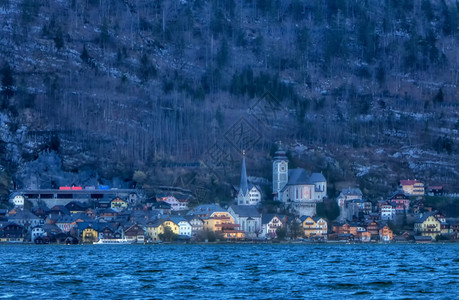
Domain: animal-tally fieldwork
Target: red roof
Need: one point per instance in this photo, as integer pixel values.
(436, 187)
(409, 182)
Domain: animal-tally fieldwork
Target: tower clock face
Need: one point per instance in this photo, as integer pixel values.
(282, 167)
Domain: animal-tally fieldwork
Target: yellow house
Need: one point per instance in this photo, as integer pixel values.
(89, 235)
(157, 228)
(428, 225)
(118, 204)
(223, 222)
(314, 226)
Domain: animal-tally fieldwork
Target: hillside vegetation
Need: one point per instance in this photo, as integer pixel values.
(367, 89)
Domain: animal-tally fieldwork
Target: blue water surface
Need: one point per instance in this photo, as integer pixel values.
(230, 271)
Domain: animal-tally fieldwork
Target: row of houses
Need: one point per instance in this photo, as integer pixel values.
(399, 208)
(90, 224)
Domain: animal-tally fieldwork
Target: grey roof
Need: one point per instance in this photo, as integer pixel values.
(50, 228)
(266, 218)
(84, 225)
(351, 192)
(298, 176)
(59, 208)
(245, 211)
(73, 218)
(205, 209)
(301, 177)
(23, 215)
(177, 219)
(192, 217)
(424, 217)
(244, 185)
(302, 218)
(392, 196)
(317, 177)
(280, 154)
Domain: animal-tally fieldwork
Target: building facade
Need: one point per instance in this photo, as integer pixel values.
(296, 188)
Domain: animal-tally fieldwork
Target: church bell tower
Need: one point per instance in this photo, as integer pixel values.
(280, 172)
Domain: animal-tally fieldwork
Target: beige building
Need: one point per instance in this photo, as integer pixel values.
(428, 225)
(412, 187)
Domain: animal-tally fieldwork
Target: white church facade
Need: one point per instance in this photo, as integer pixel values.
(296, 188)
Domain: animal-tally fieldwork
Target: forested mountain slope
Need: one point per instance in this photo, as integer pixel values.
(367, 90)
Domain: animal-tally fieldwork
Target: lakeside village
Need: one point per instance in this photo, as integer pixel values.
(63, 216)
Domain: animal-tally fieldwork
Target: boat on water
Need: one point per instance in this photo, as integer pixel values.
(111, 242)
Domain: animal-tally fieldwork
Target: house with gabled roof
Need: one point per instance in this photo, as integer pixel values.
(66, 223)
(135, 234)
(314, 227)
(400, 201)
(109, 231)
(25, 218)
(58, 210)
(12, 233)
(185, 228)
(75, 207)
(37, 233)
(118, 204)
(271, 222)
(177, 202)
(108, 214)
(88, 231)
(387, 211)
(197, 224)
(222, 222)
(428, 225)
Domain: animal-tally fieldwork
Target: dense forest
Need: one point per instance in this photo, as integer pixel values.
(365, 91)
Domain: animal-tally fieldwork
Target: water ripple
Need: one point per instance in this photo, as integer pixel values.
(229, 271)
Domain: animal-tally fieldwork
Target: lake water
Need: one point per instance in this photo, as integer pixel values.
(235, 271)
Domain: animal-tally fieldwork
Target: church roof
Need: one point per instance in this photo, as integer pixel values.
(244, 184)
(280, 154)
(298, 177)
(317, 177)
(245, 210)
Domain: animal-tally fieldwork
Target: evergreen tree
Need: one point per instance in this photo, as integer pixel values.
(438, 97)
(85, 55)
(223, 54)
(7, 85)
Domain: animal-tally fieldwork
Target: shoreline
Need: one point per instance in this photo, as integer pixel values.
(249, 243)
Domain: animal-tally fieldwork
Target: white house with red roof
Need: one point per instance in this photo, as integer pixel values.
(177, 202)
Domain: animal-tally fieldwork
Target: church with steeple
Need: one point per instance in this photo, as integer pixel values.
(296, 188)
(248, 193)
